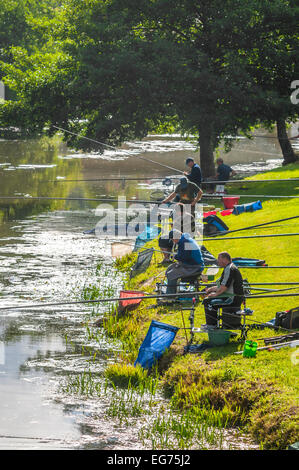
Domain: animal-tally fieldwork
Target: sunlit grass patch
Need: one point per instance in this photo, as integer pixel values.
(124, 374)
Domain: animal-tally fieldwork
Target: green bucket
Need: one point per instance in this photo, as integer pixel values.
(219, 337)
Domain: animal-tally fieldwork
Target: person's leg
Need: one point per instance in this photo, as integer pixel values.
(173, 273)
(229, 318)
(171, 286)
(210, 312)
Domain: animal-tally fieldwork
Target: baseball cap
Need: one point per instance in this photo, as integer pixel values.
(184, 183)
(176, 234)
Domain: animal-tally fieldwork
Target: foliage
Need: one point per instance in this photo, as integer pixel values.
(123, 374)
(116, 70)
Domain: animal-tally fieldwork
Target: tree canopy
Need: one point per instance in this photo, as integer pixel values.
(116, 70)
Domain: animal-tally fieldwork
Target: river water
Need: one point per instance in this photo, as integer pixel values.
(45, 257)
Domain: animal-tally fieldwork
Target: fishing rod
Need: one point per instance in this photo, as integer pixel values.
(120, 178)
(29, 198)
(258, 225)
(268, 267)
(136, 201)
(218, 196)
(144, 297)
(273, 283)
(270, 290)
(252, 236)
(124, 151)
(248, 181)
(158, 178)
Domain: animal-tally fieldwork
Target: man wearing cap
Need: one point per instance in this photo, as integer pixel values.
(195, 174)
(189, 193)
(189, 260)
(227, 293)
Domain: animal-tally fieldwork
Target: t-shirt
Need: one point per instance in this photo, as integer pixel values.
(187, 195)
(224, 172)
(188, 251)
(232, 279)
(195, 175)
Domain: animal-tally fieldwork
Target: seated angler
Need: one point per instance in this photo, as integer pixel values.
(189, 260)
(228, 293)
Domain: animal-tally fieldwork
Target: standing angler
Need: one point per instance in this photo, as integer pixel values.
(195, 174)
(223, 171)
(189, 194)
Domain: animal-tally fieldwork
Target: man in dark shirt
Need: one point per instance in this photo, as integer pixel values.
(195, 174)
(189, 194)
(223, 172)
(227, 293)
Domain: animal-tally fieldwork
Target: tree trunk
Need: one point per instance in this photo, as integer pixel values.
(206, 142)
(286, 148)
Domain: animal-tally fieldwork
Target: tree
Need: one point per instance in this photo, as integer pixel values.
(120, 68)
(272, 64)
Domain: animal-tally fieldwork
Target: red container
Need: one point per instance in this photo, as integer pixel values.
(230, 202)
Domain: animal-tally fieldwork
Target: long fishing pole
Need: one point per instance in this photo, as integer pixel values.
(136, 201)
(29, 198)
(121, 178)
(123, 151)
(252, 236)
(268, 267)
(144, 297)
(218, 196)
(258, 225)
(158, 178)
(272, 290)
(273, 283)
(248, 181)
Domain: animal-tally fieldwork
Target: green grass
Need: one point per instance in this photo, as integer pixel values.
(258, 395)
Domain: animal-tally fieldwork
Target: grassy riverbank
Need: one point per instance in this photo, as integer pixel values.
(259, 395)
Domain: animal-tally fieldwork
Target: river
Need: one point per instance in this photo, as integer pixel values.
(45, 257)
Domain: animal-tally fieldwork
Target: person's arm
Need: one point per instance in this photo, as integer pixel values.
(180, 252)
(198, 197)
(169, 198)
(233, 173)
(209, 290)
(218, 291)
